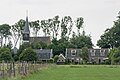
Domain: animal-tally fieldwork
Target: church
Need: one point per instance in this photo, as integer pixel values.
(27, 38)
(43, 54)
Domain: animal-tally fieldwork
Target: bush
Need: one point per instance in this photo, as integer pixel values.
(56, 58)
(5, 54)
(28, 55)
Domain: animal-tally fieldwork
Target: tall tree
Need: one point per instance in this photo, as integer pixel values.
(79, 22)
(66, 26)
(45, 25)
(16, 30)
(36, 26)
(5, 32)
(55, 26)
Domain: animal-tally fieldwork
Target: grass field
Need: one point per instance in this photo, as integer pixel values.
(77, 73)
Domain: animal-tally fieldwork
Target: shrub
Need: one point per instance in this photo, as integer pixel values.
(5, 54)
(28, 55)
(56, 58)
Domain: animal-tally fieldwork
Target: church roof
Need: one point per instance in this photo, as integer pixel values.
(45, 39)
(26, 28)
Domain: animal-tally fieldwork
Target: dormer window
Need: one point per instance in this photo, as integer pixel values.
(73, 52)
(102, 52)
(92, 52)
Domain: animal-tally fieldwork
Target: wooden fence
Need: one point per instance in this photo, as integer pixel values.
(13, 69)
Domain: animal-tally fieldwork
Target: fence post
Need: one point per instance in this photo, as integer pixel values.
(3, 68)
(13, 68)
(0, 70)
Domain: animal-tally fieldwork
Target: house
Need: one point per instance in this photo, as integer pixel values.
(73, 55)
(44, 54)
(95, 55)
(98, 55)
(61, 59)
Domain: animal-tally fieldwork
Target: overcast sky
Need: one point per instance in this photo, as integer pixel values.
(98, 14)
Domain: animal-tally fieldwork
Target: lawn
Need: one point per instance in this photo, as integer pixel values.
(77, 73)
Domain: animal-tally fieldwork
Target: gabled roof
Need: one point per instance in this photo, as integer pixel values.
(61, 55)
(26, 27)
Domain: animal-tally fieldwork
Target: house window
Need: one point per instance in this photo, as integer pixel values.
(102, 52)
(73, 52)
(92, 52)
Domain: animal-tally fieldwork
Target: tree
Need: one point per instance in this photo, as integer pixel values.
(28, 55)
(84, 54)
(79, 23)
(114, 55)
(36, 26)
(81, 41)
(111, 38)
(5, 32)
(46, 25)
(55, 26)
(5, 54)
(16, 31)
(110, 55)
(21, 49)
(66, 27)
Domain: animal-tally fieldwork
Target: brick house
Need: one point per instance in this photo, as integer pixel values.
(73, 55)
(95, 55)
(98, 55)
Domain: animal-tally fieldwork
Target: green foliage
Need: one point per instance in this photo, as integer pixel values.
(4, 33)
(5, 54)
(50, 27)
(66, 27)
(114, 56)
(56, 58)
(81, 41)
(39, 45)
(16, 31)
(79, 23)
(36, 26)
(28, 55)
(20, 50)
(111, 37)
(84, 55)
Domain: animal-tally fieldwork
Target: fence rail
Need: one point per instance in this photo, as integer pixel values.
(12, 69)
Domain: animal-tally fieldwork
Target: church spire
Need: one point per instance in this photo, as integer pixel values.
(26, 31)
(26, 28)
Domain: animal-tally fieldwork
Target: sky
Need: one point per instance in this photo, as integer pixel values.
(98, 14)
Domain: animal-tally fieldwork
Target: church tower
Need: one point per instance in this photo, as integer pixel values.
(26, 31)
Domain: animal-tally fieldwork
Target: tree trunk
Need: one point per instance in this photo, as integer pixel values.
(5, 41)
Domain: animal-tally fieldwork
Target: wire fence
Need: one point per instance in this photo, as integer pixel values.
(13, 69)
